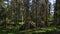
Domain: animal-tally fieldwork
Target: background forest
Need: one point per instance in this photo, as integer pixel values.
(29, 17)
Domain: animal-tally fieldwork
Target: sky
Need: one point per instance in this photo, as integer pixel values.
(51, 1)
(7, 1)
(52, 5)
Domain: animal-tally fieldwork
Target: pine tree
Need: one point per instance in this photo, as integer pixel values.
(57, 13)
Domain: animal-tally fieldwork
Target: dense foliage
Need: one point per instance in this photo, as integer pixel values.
(25, 17)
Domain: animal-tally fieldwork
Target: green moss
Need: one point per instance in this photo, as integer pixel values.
(21, 23)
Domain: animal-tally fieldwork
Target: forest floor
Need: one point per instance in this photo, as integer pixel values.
(48, 30)
(14, 30)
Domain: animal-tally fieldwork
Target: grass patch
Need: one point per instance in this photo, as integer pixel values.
(45, 30)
